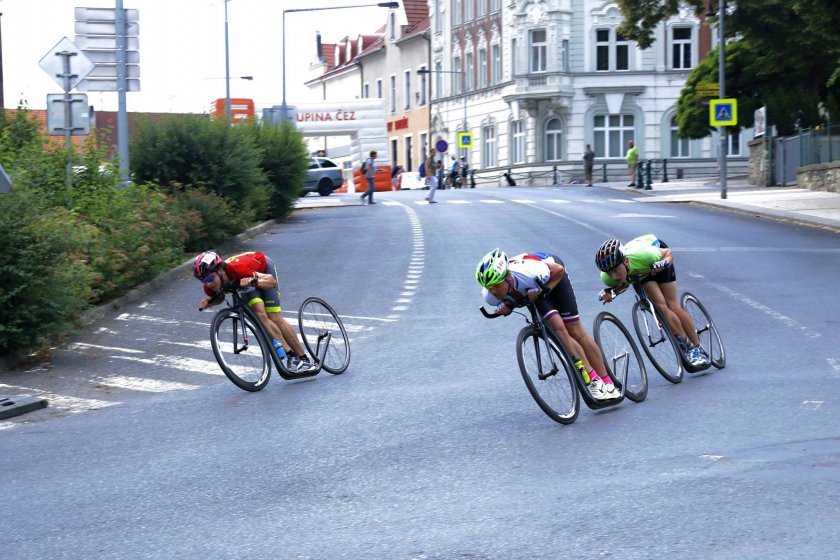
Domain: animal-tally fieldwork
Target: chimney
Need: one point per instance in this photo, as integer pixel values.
(319, 47)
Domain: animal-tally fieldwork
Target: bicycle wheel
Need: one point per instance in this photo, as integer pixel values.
(549, 382)
(621, 355)
(706, 330)
(324, 335)
(241, 350)
(657, 342)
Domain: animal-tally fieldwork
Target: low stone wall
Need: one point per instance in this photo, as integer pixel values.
(819, 177)
(758, 173)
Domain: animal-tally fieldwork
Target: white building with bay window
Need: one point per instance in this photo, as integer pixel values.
(537, 80)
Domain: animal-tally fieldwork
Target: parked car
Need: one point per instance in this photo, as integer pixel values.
(323, 176)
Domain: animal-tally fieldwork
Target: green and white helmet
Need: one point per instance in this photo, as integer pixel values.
(492, 269)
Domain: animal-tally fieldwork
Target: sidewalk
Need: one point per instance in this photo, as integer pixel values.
(813, 208)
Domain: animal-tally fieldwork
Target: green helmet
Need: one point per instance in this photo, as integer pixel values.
(492, 269)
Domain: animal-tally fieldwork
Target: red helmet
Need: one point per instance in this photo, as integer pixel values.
(206, 263)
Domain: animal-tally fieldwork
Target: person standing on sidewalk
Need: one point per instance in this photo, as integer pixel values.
(588, 164)
(431, 176)
(369, 171)
(632, 161)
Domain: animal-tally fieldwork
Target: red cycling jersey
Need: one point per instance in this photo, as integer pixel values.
(241, 266)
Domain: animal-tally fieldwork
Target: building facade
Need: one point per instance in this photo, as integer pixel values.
(535, 81)
(384, 65)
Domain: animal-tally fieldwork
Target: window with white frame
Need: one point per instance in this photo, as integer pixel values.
(612, 51)
(409, 153)
(438, 80)
(436, 8)
(482, 68)
(488, 147)
(611, 134)
(366, 90)
(456, 76)
(567, 65)
(481, 10)
(407, 76)
(468, 10)
(456, 12)
(495, 5)
(423, 86)
(679, 146)
(469, 78)
(538, 51)
(517, 154)
(392, 23)
(733, 144)
(497, 64)
(553, 137)
(681, 48)
(513, 58)
(393, 94)
(424, 145)
(379, 88)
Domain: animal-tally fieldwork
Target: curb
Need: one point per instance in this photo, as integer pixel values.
(20, 404)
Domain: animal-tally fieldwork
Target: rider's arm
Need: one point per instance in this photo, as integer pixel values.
(556, 274)
(216, 299)
(259, 280)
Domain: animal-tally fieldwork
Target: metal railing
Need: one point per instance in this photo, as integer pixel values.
(820, 145)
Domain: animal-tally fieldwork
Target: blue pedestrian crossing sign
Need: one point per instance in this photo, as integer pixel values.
(465, 140)
(723, 112)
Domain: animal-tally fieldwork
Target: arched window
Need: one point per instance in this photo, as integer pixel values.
(553, 137)
(679, 146)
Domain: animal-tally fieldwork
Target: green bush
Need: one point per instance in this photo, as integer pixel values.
(285, 161)
(209, 219)
(197, 151)
(47, 279)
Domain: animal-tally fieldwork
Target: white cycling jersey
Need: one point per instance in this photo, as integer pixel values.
(526, 272)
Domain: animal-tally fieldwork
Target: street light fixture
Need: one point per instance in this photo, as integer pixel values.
(426, 71)
(283, 106)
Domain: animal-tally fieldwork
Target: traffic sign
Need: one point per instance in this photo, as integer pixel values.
(57, 124)
(132, 28)
(131, 84)
(465, 140)
(723, 112)
(707, 89)
(53, 64)
(104, 14)
(442, 146)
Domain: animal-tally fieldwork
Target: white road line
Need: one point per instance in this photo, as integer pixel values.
(642, 216)
(458, 201)
(560, 201)
(835, 365)
(191, 365)
(83, 345)
(524, 201)
(489, 201)
(784, 319)
(145, 385)
(391, 203)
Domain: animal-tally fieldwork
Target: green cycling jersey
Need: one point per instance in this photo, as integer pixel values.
(641, 253)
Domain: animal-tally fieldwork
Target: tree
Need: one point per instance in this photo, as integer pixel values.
(786, 56)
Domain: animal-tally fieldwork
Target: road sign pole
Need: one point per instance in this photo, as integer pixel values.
(722, 80)
(68, 125)
(122, 87)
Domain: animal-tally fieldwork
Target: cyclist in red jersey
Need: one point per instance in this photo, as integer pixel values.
(256, 276)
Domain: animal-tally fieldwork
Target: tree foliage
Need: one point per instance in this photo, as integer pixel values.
(784, 54)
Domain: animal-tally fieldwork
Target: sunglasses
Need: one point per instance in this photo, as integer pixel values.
(209, 278)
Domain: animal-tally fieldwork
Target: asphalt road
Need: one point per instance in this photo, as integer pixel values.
(430, 446)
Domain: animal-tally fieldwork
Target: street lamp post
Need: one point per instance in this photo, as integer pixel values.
(463, 90)
(283, 107)
(227, 68)
(722, 95)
